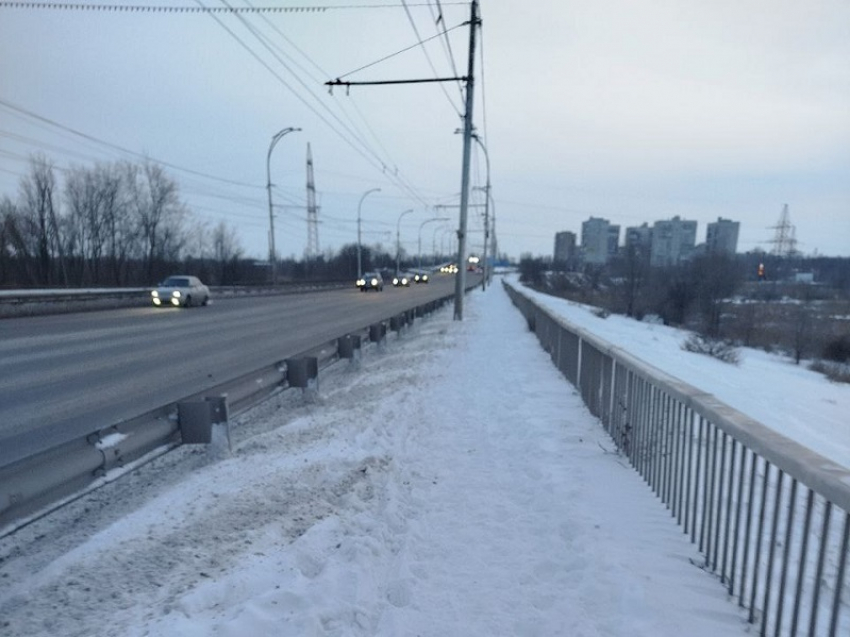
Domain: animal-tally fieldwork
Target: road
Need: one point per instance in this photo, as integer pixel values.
(65, 376)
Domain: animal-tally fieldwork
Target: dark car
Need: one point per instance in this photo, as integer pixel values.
(371, 281)
(402, 280)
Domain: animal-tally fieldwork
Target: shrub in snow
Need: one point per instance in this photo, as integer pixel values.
(836, 372)
(714, 347)
(601, 312)
(838, 349)
(653, 319)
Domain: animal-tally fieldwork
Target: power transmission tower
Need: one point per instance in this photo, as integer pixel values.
(312, 210)
(785, 239)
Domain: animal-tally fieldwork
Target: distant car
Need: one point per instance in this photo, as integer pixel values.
(402, 280)
(371, 281)
(420, 277)
(180, 291)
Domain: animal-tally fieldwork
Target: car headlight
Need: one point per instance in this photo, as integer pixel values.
(155, 294)
(176, 294)
(374, 282)
(361, 282)
(405, 281)
(424, 277)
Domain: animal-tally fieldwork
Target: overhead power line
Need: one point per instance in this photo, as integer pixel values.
(427, 56)
(358, 144)
(91, 138)
(145, 8)
(404, 50)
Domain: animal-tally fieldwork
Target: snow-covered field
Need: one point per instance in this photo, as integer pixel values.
(770, 388)
(451, 484)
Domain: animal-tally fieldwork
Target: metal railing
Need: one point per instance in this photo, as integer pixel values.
(770, 517)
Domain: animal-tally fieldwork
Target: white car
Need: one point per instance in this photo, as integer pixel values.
(180, 290)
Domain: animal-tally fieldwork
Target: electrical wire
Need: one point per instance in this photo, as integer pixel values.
(359, 137)
(121, 149)
(269, 46)
(392, 55)
(448, 44)
(346, 139)
(404, 183)
(427, 56)
(147, 8)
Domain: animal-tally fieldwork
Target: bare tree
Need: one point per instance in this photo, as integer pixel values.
(226, 250)
(39, 206)
(801, 331)
(635, 277)
(83, 198)
(159, 214)
(8, 215)
(716, 277)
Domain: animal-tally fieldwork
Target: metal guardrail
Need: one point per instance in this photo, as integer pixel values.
(20, 303)
(33, 486)
(771, 518)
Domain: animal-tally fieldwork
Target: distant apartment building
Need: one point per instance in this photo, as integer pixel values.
(565, 247)
(722, 236)
(639, 238)
(673, 241)
(599, 240)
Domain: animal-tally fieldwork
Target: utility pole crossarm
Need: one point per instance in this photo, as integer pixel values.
(339, 82)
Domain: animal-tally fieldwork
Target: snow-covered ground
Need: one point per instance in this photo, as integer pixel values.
(791, 399)
(451, 484)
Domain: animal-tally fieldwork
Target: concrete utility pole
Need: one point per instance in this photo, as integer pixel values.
(359, 267)
(486, 208)
(272, 253)
(460, 280)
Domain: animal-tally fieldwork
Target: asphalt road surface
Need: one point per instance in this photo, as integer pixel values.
(65, 376)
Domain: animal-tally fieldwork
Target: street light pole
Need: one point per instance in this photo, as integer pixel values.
(272, 253)
(398, 240)
(422, 225)
(434, 246)
(359, 266)
(486, 207)
(451, 233)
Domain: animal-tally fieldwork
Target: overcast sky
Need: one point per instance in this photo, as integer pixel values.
(632, 111)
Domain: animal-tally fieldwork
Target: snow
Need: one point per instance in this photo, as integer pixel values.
(449, 483)
(791, 399)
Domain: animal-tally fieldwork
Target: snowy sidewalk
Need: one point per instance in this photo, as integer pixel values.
(454, 485)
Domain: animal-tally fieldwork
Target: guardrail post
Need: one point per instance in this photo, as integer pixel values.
(396, 323)
(219, 415)
(377, 332)
(348, 347)
(196, 420)
(304, 373)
